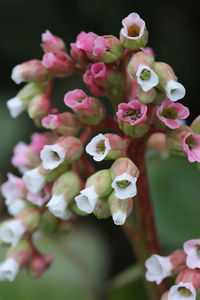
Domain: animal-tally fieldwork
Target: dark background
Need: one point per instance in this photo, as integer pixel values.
(173, 33)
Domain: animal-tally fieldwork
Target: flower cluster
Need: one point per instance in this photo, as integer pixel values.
(184, 264)
(58, 179)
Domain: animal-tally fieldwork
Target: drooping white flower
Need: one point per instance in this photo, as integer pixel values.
(158, 268)
(52, 156)
(98, 147)
(119, 217)
(124, 186)
(15, 107)
(8, 269)
(87, 199)
(146, 77)
(174, 90)
(58, 207)
(16, 75)
(12, 232)
(34, 180)
(192, 249)
(16, 206)
(182, 291)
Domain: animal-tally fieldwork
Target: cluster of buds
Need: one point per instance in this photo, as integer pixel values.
(58, 178)
(184, 264)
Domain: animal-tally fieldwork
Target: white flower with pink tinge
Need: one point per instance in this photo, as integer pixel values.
(87, 199)
(98, 147)
(8, 269)
(124, 186)
(58, 207)
(192, 249)
(146, 77)
(158, 268)
(182, 291)
(175, 90)
(52, 156)
(133, 27)
(34, 180)
(12, 231)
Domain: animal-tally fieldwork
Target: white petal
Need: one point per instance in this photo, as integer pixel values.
(34, 181)
(126, 192)
(12, 232)
(174, 293)
(91, 148)
(8, 269)
(149, 83)
(16, 206)
(52, 156)
(119, 217)
(87, 200)
(15, 107)
(16, 75)
(158, 268)
(58, 207)
(174, 90)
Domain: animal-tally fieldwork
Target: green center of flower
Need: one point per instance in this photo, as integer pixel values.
(123, 183)
(145, 75)
(191, 142)
(134, 30)
(169, 113)
(198, 250)
(132, 114)
(183, 291)
(55, 155)
(100, 147)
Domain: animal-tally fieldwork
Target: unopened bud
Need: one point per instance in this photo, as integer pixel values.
(146, 97)
(67, 148)
(52, 43)
(188, 275)
(63, 124)
(21, 253)
(102, 210)
(79, 55)
(89, 109)
(58, 63)
(124, 175)
(32, 70)
(133, 35)
(39, 263)
(39, 107)
(120, 209)
(132, 118)
(107, 146)
(195, 126)
(30, 218)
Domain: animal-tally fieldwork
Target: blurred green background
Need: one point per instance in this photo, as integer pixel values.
(94, 251)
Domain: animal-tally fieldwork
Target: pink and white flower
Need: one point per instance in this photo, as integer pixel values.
(133, 112)
(171, 113)
(158, 268)
(133, 27)
(8, 269)
(192, 249)
(182, 291)
(52, 43)
(191, 145)
(174, 90)
(87, 199)
(24, 156)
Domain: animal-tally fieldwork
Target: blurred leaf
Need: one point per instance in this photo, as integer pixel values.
(80, 263)
(175, 188)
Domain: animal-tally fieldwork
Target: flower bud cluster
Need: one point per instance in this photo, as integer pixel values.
(184, 264)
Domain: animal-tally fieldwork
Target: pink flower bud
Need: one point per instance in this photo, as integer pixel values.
(79, 55)
(170, 113)
(132, 118)
(39, 107)
(40, 198)
(39, 263)
(108, 146)
(191, 146)
(32, 70)
(178, 260)
(120, 209)
(39, 140)
(191, 276)
(52, 43)
(25, 157)
(58, 63)
(157, 142)
(139, 58)
(21, 253)
(88, 109)
(66, 148)
(63, 124)
(192, 249)
(124, 175)
(133, 35)
(149, 51)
